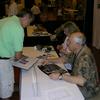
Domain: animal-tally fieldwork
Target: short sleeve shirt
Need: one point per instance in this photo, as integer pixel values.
(85, 66)
(11, 36)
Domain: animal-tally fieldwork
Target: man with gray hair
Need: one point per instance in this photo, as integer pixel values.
(11, 45)
(84, 72)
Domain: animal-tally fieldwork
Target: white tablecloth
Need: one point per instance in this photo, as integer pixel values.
(35, 85)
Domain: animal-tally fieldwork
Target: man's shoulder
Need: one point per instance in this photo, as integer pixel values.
(86, 51)
(86, 55)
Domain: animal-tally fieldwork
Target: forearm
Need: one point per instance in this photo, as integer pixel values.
(79, 80)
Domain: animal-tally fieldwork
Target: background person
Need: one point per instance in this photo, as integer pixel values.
(12, 8)
(84, 72)
(11, 45)
(68, 28)
(61, 34)
(36, 11)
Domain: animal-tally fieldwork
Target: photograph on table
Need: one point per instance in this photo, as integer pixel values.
(51, 68)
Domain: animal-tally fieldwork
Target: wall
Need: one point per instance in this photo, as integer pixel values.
(88, 21)
(96, 25)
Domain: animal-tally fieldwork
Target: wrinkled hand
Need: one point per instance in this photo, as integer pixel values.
(54, 75)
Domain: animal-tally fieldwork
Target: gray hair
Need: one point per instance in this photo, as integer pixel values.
(80, 39)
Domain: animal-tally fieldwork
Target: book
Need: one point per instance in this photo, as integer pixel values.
(25, 62)
(51, 68)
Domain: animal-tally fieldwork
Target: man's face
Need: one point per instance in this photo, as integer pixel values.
(71, 43)
(26, 20)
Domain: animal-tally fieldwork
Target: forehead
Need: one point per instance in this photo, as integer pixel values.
(71, 38)
(28, 17)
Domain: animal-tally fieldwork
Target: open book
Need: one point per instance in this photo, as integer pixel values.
(25, 62)
(50, 68)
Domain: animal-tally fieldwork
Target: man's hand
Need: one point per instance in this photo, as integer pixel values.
(18, 55)
(54, 75)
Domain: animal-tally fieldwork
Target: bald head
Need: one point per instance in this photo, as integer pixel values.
(78, 38)
(76, 41)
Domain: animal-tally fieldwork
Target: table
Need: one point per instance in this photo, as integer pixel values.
(36, 37)
(35, 85)
(31, 32)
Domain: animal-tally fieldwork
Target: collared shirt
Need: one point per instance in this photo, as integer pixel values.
(11, 36)
(85, 66)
